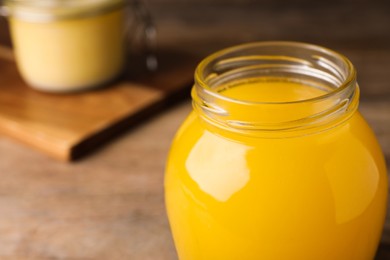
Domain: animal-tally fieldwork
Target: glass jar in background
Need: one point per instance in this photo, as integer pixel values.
(275, 161)
(65, 46)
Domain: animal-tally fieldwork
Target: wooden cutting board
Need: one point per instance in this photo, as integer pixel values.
(67, 126)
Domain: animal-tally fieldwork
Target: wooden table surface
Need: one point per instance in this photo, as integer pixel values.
(110, 205)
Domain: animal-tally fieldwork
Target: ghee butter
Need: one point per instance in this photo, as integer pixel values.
(64, 46)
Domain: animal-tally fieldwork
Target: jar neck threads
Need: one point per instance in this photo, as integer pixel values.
(326, 71)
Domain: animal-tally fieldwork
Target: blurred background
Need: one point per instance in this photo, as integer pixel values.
(359, 29)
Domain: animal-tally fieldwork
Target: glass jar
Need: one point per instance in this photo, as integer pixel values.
(275, 161)
(64, 46)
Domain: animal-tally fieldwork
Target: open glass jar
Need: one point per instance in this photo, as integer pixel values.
(275, 161)
(64, 46)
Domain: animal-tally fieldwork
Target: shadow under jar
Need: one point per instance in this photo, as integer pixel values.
(275, 162)
(65, 46)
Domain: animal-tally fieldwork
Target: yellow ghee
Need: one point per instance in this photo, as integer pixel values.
(79, 49)
(234, 196)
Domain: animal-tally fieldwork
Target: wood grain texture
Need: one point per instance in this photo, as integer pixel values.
(110, 205)
(65, 126)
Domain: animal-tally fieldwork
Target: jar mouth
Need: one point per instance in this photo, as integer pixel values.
(51, 10)
(327, 73)
(347, 78)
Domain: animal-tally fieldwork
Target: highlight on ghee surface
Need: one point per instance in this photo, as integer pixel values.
(63, 46)
(275, 161)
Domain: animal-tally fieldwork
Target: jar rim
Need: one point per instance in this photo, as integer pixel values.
(348, 82)
(308, 64)
(49, 10)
